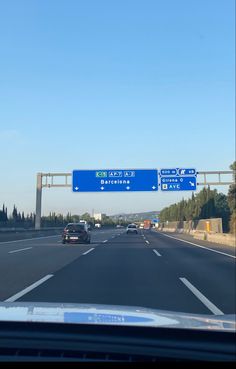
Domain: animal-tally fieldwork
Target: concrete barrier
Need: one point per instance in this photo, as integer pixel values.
(9, 230)
(168, 229)
(208, 225)
(200, 235)
(13, 235)
(223, 238)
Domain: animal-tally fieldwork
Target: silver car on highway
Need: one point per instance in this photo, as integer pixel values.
(132, 228)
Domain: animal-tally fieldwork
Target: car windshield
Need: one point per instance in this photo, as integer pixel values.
(117, 158)
(75, 227)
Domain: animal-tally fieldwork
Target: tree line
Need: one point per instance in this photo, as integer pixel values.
(205, 205)
(18, 219)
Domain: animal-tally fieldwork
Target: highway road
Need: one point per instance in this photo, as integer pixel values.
(150, 269)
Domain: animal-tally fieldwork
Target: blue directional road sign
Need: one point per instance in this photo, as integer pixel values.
(169, 172)
(178, 172)
(186, 171)
(179, 183)
(112, 180)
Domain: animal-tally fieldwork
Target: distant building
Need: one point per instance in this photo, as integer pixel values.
(98, 216)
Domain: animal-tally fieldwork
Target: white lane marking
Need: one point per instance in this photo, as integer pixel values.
(28, 289)
(104, 241)
(147, 242)
(156, 252)
(203, 247)
(28, 239)
(85, 253)
(202, 298)
(26, 248)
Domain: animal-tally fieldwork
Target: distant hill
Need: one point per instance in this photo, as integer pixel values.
(136, 216)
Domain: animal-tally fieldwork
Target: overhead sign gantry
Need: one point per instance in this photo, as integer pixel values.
(132, 180)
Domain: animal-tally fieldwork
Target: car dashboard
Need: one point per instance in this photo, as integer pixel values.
(37, 341)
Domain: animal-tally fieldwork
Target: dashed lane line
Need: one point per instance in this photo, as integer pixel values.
(86, 252)
(18, 250)
(202, 298)
(156, 252)
(28, 289)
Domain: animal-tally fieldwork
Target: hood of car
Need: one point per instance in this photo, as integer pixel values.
(112, 315)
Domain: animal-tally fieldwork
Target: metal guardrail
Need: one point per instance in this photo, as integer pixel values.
(29, 229)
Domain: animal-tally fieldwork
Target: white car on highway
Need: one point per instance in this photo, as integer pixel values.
(132, 228)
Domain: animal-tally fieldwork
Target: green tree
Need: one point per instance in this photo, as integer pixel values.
(232, 199)
(222, 210)
(232, 190)
(87, 217)
(75, 218)
(14, 214)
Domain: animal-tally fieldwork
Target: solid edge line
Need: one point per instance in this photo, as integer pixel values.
(156, 252)
(28, 239)
(202, 247)
(202, 298)
(26, 248)
(86, 252)
(28, 289)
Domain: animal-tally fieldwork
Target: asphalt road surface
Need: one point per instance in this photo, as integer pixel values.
(150, 269)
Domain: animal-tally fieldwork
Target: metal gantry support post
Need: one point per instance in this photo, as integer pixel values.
(38, 201)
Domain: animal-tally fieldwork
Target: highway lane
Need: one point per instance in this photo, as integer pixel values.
(23, 262)
(207, 244)
(212, 273)
(147, 270)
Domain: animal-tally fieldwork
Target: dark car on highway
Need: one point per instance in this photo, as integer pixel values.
(76, 233)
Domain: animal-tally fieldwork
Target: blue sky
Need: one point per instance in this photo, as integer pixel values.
(113, 84)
